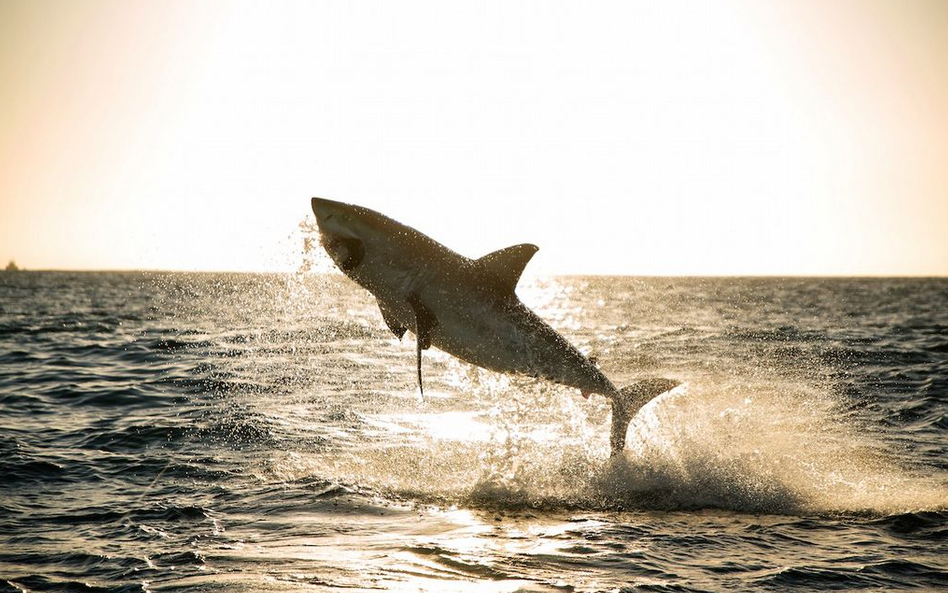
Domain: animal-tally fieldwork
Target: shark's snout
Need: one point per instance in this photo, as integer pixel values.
(325, 209)
(333, 218)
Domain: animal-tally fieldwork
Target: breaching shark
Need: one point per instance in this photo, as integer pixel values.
(466, 307)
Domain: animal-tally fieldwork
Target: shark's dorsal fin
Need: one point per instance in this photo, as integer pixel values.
(424, 323)
(390, 321)
(506, 265)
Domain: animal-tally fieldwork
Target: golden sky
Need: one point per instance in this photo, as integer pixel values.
(733, 137)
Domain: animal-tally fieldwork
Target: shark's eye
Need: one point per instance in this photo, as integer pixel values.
(348, 252)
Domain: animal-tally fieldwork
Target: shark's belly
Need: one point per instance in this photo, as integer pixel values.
(487, 341)
(497, 333)
(509, 338)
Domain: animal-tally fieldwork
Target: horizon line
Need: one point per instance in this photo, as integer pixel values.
(526, 274)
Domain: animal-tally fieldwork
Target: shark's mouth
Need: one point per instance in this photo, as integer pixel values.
(347, 252)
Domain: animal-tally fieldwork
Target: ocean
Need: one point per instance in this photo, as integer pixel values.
(241, 432)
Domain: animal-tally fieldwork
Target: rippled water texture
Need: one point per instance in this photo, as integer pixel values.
(166, 432)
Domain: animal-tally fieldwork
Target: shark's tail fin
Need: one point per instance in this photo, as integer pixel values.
(629, 401)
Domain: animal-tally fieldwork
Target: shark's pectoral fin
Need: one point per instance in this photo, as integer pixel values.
(391, 322)
(425, 321)
(505, 266)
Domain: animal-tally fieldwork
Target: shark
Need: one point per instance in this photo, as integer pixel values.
(466, 307)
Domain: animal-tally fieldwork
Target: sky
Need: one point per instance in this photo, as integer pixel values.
(795, 137)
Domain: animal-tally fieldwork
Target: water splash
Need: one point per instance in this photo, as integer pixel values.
(778, 447)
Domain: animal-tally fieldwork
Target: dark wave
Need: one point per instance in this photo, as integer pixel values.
(38, 582)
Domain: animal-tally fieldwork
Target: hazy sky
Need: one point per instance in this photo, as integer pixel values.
(799, 137)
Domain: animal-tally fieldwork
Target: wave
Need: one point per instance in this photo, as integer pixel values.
(872, 574)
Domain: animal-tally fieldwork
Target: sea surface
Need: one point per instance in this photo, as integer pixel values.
(222, 432)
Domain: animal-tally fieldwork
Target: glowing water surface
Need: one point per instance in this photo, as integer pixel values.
(264, 433)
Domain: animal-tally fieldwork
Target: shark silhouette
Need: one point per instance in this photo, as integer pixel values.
(466, 307)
